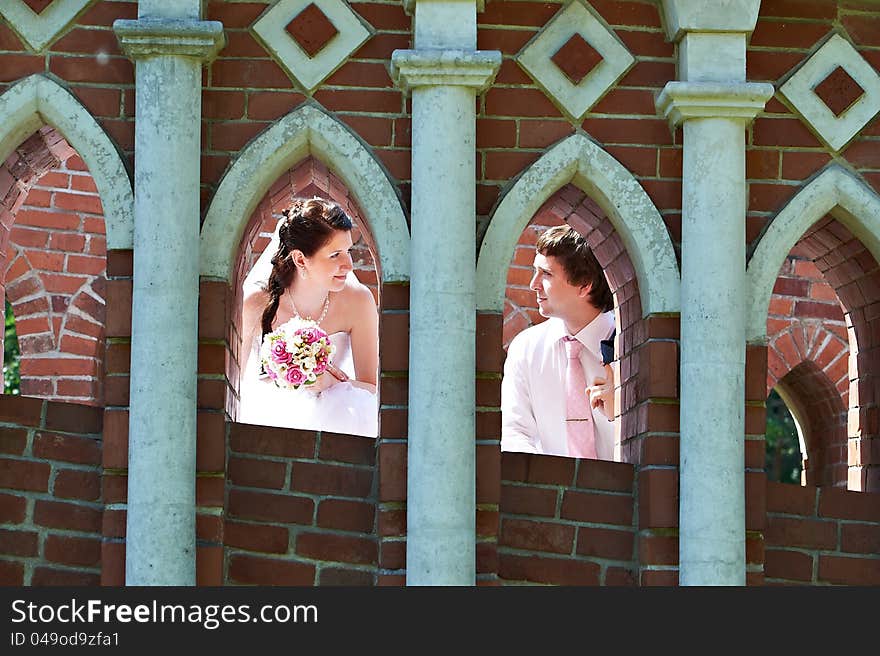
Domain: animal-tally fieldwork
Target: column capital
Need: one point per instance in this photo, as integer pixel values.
(681, 16)
(467, 68)
(183, 38)
(680, 101)
(409, 6)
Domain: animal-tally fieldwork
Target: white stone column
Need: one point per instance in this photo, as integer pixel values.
(444, 73)
(715, 104)
(169, 45)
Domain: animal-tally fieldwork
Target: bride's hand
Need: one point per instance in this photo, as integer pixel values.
(324, 382)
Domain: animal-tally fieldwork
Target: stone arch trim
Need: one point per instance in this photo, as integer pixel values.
(303, 132)
(580, 161)
(38, 100)
(834, 191)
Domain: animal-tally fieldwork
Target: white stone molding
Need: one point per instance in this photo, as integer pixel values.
(834, 190)
(580, 161)
(465, 68)
(576, 19)
(309, 72)
(170, 37)
(36, 101)
(306, 130)
(835, 131)
(680, 16)
(39, 30)
(680, 101)
(409, 6)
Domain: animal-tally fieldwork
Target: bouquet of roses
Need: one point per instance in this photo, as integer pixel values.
(296, 353)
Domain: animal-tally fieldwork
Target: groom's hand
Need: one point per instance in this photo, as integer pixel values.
(601, 394)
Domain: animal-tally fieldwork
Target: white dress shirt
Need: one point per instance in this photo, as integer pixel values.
(533, 388)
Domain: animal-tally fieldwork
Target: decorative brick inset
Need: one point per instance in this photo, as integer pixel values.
(576, 58)
(38, 6)
(839, 91)
(311, 29)
(310, 39)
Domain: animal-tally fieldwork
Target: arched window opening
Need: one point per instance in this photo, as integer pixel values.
(53, 249)
(570, 205)
(11, 355)
(309, 178)
(784, 462)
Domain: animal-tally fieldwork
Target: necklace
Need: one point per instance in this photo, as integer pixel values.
(323, 312)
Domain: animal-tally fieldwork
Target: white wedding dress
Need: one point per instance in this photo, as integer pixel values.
(342, 408)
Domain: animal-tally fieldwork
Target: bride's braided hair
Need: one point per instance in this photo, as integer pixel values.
(306, 225)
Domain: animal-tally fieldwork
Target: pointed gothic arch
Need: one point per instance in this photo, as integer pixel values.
(38, 100)
(585, 164)
(833, 191)
(305, 131)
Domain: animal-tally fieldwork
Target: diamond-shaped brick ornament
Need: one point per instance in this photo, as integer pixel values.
(297, 33)
(836, 92)
(839, 91)
(37, 6)
(311, 29)
(41, 22)
(576, 59)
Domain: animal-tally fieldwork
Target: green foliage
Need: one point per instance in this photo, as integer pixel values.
(11, 355)
(783, 452)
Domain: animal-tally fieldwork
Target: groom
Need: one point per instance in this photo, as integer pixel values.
(546, 406)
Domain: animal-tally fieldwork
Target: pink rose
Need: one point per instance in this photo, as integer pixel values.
(295, 376)
(280, 353)
(321, 367)
(308, 335)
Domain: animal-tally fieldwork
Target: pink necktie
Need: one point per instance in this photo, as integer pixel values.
(579, 425)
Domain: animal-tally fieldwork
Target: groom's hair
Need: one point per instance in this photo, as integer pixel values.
(580, 265)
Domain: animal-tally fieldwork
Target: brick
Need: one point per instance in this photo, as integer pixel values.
(240, 73)
(527, 468)
(226, 105)
(559, 571)
(13, 441)
(810, 534)
(318, 478)
(341, 100)
(598, 508)
(19, 66)
(782, 132)
(74, 517)
(787, 34)
(64, 577)
(518, 102)
(658, 498)
(67, 448)
(864, 29)
(374, 130)
(860, 538)
(788, 565)
(251, 472)
(18, 543)
(337, 548)
(524, 500)
(281, 508)
(542, 133)
(605, 543)
(537, 536)
(345, 577)
(346, 448)
(210, 441)
(20, 410)
(509, 42)
(73, 418)
(82, 552)
(24, 475)
(847, 504)
(41, 218)
(11, 573)
(799, 8)
(270, 105)
(254, 537)
(267, 441)
(360, 74)
(627, 101)
(12, 509)
(849, 571)
(503, 164)
(209, 566)
(266, 571)
(346, 515)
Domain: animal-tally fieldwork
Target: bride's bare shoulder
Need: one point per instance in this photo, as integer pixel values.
(357, 295)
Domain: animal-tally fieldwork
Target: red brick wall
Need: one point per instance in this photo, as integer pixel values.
(51, 503)
(821, 536)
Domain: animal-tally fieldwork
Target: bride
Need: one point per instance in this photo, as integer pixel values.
(306, 272)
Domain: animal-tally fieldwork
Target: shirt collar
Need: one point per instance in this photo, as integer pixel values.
(593, 333)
